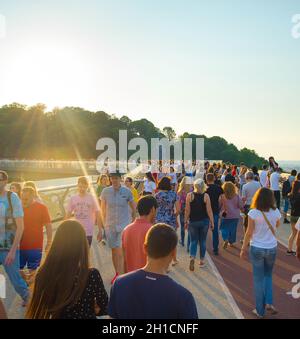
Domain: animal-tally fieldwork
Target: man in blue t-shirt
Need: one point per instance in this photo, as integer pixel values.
(11, 230)
(150, 293)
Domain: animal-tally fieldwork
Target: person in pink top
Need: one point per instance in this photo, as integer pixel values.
(133, 237)
(231, 206)
(85, 208)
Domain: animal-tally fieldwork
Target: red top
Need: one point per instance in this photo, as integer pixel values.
(133, 239)
(35, 218)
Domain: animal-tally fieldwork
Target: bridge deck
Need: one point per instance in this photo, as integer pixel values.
(223, 290)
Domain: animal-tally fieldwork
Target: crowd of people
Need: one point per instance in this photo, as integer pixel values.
(143, 228)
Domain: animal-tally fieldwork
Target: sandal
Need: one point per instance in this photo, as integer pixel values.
(225, 245)
(192, 265)
(271, 309)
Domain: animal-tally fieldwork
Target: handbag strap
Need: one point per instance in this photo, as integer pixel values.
(269, 224)
(10, 202)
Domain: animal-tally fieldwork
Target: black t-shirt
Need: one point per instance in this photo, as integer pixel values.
(214, 191)
(93, 293)
(295, 202)
(198, 208)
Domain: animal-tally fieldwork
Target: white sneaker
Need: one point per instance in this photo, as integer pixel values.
(257, 315)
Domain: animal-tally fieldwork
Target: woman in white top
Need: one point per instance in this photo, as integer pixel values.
(298, 239)
(264, 219)
(149, 184)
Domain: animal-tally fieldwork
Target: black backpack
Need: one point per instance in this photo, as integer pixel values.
(286, 188)
(10, 227)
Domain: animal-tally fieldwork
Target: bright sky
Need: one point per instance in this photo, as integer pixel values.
(213, 67)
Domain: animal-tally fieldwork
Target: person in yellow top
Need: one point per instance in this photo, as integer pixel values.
(129, 185)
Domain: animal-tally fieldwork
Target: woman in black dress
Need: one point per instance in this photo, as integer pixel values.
(65, 286)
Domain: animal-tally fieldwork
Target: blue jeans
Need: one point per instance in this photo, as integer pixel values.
(216, 233)
(263, 261)
(286, 205)
(182, 233)
(189, 242)
(228, 229)
(182, 229)
(198, 232)
(13, 272)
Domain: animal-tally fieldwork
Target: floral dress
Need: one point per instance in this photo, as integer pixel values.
(166, 207)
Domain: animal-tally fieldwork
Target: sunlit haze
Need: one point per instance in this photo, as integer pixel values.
(227, 68)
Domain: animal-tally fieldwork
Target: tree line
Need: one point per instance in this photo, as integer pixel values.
(65, 133)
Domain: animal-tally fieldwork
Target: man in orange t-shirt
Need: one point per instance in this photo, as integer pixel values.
(36, 216)
(133, 237)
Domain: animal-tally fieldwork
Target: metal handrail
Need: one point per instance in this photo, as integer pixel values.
(61, 187)
(59, 195)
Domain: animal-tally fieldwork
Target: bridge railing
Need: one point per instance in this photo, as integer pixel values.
(57, 198)
(46, 164)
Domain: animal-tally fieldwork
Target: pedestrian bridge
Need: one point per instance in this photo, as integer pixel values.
(222, 290)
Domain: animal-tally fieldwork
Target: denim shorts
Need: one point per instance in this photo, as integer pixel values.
(114, 238)
(30, 258)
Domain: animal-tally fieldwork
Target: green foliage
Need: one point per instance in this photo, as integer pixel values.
(169, 133)
(33, 133)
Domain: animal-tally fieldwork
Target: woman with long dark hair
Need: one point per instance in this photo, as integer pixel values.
(256, 174)
(263, 221)
(295, 215)
(65, 285)
(273, 164)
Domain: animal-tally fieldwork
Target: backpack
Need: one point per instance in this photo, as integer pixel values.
(286, 188)
(10, 227)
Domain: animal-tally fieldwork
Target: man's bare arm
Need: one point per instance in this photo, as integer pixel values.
(10, 258)
(133, 209)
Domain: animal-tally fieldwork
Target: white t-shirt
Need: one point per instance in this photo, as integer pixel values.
(173, 177)
(264, 178)
(262, 235)
(149, 186)
(298, 225)
(274, 181)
